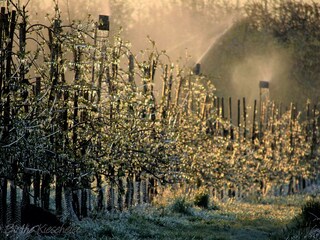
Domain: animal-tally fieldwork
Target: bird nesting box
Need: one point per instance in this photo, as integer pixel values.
(196, 69)
(264, 84)
(264, 91)
(103, 24)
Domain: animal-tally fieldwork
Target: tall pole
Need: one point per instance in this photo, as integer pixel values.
(264, 98)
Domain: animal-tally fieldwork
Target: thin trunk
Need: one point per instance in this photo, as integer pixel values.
(129, 192)
(144, 191)
(45, 191)
(120, 194)
(36, 188)
(178, 92)
(70, 211)
(4, 206)
(58, 198)
(76, 203)
(100, 204)
(13, 203)
(152, 190)
(138, 189)
(84, 203)
(111, 196)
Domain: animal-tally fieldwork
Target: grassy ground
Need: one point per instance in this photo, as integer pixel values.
(232, 220)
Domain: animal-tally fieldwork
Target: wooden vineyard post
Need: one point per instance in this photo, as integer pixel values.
(75, 137)
(217, 125)
(4, 110)
(129, 191)
(217, 113)
(22, 47)
(2, 56)
(131, 69)
(60, 160)
(239, 120)
(178, 91)
(54, 47)
(152, 109)
(291, 187)
(190, 97)
(314, 139)
(230, 115)
(37, 176)
(10, 27)
(163, 95)
(254, 134)
(85, 184)
(308, 125)
(222, 108)
(169, 91)
(146, 75)
(224, 130)
(244, 119)
(314, 131)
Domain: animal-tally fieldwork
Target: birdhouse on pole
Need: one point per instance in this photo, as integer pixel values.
(197, 69)
(264, 91)
(103, 24)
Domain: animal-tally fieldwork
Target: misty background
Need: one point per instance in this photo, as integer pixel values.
(238, 43)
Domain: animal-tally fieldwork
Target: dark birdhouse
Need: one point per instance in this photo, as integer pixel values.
(264, 84)
(103, 24)
(196, 70)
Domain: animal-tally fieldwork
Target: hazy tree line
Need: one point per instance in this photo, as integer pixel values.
(283, 34)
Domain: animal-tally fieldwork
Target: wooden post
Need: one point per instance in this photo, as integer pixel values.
(230, 112)
(314, 130)
(254, 135)
(169, 92)
(93, 69)
(164, 93)
(308, 125)
(14, 160)
(131, 69)
(2, 54)
(244, 119)
(291, 188)
(222, 108)
(178, 91)
(238, 122)
(224, 130)
(37, 176)
(22, 47)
